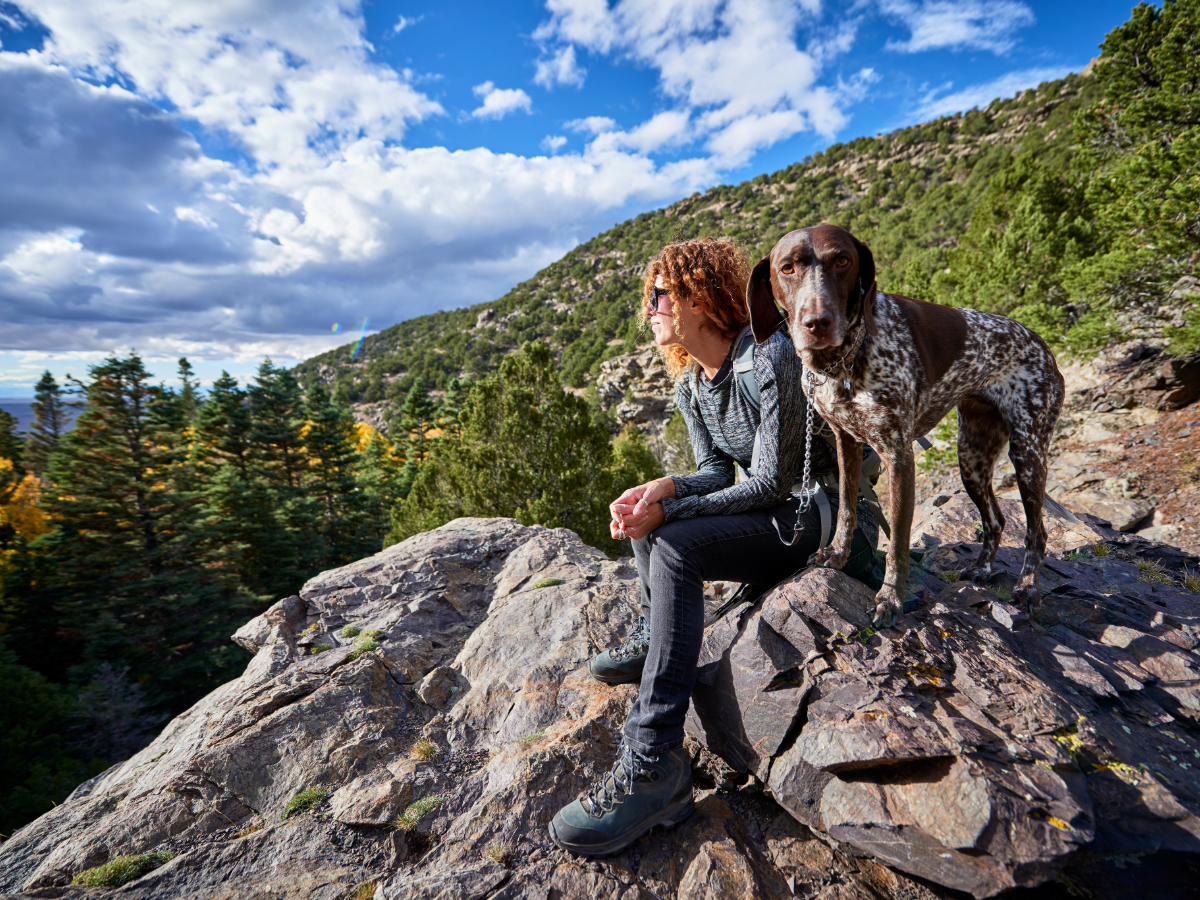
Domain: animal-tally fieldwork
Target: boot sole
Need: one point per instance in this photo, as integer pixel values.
(618, 679)
(668, 818)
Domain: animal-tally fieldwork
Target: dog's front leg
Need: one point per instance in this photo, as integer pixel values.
(849, 453)
(889, 602)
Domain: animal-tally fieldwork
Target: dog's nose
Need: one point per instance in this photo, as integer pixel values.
(818, 323)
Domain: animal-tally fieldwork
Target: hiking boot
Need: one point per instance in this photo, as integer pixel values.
(638, 793)
(623, 664)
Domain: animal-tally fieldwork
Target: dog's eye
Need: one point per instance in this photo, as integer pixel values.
(787, 268)
(842, 262)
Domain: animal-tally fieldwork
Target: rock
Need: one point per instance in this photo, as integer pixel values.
(1123, 512)
(970, 747)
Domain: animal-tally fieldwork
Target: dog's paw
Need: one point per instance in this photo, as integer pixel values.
(888, 607)
(1029, 600)
(829, 557)
(978, 574)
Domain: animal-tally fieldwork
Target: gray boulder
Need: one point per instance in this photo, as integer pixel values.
(452, 716)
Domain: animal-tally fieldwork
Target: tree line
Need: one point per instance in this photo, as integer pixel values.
(141, 524)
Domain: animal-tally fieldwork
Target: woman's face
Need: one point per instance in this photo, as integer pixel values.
(662, 320)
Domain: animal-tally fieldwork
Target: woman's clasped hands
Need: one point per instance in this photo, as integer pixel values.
(639, 510)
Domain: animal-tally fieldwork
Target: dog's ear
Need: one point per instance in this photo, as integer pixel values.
(864, 287)
(869, 310)
(765, 317)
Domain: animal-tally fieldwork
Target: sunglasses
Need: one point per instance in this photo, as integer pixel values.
(656, 295)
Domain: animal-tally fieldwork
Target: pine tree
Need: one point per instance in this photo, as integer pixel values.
(276, 416)
(528, 450)
(11, 444)
(332, 458)
(188, 398)
(122, 577)
(379, 479)
(49, 423)
(223, 425)
(418, 416)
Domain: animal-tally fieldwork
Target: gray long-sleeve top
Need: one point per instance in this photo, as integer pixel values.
(722, 424)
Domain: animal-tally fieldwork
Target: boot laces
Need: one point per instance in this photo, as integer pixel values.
(638, 643)
(617, 783)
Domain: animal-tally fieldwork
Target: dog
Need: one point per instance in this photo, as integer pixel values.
(887, 369)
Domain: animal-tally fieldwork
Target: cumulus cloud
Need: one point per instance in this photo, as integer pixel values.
(958, 24)
(499, 102)
(116, 229)
(730, 68)
(405, 22)
(937, 102)
(559, 68)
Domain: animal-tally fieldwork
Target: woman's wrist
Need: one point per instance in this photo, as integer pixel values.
(666, 486)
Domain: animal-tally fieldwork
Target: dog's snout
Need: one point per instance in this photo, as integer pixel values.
(818, 324)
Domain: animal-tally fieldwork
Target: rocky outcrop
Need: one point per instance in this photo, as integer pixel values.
(452, 715)
(636, 389)
(969, 746)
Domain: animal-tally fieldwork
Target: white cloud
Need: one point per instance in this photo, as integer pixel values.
(559, 68)
(593, 124)
(958, 24)
(935, 103)
(116, 229)
(405, 22)
(731, 68)
(499, 102)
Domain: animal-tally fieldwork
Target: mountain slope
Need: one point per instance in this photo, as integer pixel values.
(908, 194)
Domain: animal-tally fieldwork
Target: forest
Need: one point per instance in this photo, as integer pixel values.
(142, 523)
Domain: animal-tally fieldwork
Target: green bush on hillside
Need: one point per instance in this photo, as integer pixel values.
(528, 450)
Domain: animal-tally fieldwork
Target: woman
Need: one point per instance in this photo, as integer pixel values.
(688, 529)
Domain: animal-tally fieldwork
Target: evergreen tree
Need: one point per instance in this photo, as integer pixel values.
(122, 574)
(276, 417)
(1140, 155)
(188, 398)
(223, 425)
(329, 440)
(418, 416)
(528, 450)
(49, 423)
(10, 441)
(379, 479)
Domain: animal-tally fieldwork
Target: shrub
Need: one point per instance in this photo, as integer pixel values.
(319, 648)
(501, 854)
(363, 645)
(425, 751)
(309, 798)
(544, 583)
(412, 816)
(122, 870)
(349, 631)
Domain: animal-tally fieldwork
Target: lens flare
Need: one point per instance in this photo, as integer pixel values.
(336, 328)
(358, 347)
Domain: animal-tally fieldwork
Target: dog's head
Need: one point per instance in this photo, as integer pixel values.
(825, 281)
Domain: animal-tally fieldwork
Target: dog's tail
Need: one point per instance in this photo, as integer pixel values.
(1049, 503)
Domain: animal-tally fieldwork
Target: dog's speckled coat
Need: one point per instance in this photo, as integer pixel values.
(916, 362)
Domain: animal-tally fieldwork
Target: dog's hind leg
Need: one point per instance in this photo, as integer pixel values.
(1029, 450)
(982, 435)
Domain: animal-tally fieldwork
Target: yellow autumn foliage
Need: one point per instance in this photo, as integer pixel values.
(21, 508)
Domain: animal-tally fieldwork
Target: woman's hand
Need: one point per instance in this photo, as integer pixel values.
(638, 511)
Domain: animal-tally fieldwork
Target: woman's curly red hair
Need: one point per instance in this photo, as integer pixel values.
(711, 271)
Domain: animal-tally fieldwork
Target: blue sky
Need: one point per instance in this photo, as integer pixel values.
(226, 179)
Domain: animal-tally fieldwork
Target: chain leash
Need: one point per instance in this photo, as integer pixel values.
(808, 491)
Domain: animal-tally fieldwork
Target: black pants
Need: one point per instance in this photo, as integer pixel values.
(673, 563)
